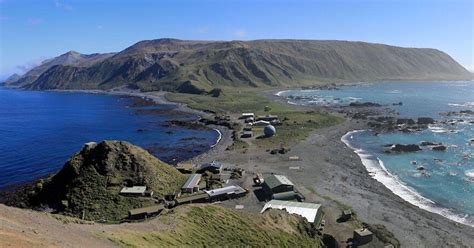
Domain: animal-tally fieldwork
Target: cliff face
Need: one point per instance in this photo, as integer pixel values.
(168, 63)
(90, 182)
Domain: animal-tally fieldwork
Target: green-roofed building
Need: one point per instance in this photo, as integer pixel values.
(278, 184)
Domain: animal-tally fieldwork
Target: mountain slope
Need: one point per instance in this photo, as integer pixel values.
(167, 64)
(90, 182)
(71, 58)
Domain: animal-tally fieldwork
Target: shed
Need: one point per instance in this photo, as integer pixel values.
(133, 191)
(142, 213)
(194, 198)
(267, 118)
(246, 134)
(192, 184)
(186, 168)
(286, 196)
(311, 211)
(247, 115)
(363, 236)
(228, 192)
(261, 123)
(214, 167)
(277, 184)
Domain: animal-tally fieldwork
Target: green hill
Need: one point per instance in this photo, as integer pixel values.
(215, 226)
(90, 182)
(198, 66)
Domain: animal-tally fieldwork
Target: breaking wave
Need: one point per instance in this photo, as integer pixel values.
(377, 170)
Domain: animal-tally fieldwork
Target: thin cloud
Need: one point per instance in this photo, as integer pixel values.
(23, 68)
(202, 30)
(239, 33)
(62, 5)
(34, 21)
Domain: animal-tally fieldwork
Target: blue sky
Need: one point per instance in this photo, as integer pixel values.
(31, 31)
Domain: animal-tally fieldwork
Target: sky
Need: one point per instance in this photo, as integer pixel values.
(31, 31)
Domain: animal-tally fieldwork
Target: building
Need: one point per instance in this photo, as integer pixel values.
(288, 196)
(228, 192)
(362, 236)
(261, 123)
(146, 212)
(186, 168)
(247, 115)
(267, 118)
(136, 191)
(214, 167)
(277, 184)
(194, 198)
(247, 134)
(192, 184)
(310, 211)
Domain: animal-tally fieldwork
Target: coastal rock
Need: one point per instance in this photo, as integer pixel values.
(405, 148)
(439, 148)
(364, 104)
(425, 121)
(429, 143)
(405, 121)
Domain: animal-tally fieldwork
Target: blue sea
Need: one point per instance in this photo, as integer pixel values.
(447, 186)
(39, 131)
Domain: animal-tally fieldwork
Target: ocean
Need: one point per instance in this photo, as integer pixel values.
(40, 131)
(446, 186)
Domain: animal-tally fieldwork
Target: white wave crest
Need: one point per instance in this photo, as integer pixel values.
(377, 170)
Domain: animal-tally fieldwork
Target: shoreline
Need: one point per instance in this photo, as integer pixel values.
(376, 169)
(342, 178)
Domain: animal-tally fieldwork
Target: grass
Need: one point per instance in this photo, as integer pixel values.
(223, 228)
(297, 122)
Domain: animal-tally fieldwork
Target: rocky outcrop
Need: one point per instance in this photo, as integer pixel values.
(364, 104)
(405, 148)
(90, 182)
(425, 121)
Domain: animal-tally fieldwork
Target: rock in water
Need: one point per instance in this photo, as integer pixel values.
(405, 148)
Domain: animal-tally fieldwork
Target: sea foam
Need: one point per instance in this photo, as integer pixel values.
(377, 170)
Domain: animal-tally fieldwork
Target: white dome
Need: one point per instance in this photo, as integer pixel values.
(269, 130)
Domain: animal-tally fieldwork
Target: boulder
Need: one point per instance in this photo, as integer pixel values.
(439, 148)
(425, 120)
(406, 121)
(405, 148)
(429, 143)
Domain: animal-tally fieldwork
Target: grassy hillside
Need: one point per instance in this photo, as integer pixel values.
(223, 228)
(90, 182)
(198, 66)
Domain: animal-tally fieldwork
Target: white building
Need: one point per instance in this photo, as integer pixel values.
(311, 211)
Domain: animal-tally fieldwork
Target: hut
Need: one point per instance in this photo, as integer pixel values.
(214, 167)
(194, 198)
(225, 193)
(310, 211)
(247, 115)
(135, 191)
(146, 212)
(192, 184)
(362, 236)
(278, 184)
(247, 134)
(186, 168)
(267, 118)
